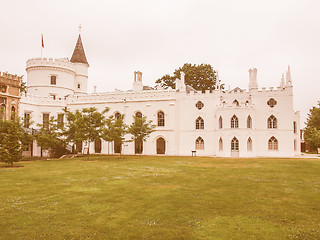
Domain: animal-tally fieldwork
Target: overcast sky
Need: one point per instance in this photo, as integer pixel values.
(156, 37)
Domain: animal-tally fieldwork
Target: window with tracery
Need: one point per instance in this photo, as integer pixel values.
(249, 145)
(249, 122)
(272, 102)
(160, 119)
(199, 123)
(220, 123)
(272, 122)
(273, 143)
(234, 122)
(199, 143)
(234, 144)
(199, 105)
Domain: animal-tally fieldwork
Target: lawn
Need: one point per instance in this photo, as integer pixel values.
(150, 197)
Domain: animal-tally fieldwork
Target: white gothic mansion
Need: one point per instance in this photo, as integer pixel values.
(244, 123)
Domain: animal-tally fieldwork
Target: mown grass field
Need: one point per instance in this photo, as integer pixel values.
(149, 197)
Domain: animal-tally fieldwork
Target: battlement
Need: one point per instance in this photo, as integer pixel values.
(9, 76)
(50, 62)
(10, 79)
(124, 96)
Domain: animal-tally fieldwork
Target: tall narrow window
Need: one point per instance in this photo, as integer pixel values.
(160, 119)
(273, 143)
(3, 102)
(249, 145)
(13, 113)
(199, 143)
(295, 127)
(45, 120)
(199, 123)
(272, 122)
(53, 80)
(26, 120)
(60, 120)
(220, 144)
(234, 122)
(249, 122)
(234, 144)
(295, 145)
(220, 123)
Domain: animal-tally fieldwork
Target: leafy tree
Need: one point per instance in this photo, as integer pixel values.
(49, 137)
(23, 88)
(12, 138)
(312, 131)
(115, 130)
(86, 124)
(140, 129)
(200, 77)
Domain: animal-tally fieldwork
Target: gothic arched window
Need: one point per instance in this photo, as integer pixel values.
(138, 114)
(199, 123)
(234, 144)
(220, 144)
(199, 143)
(220, 123)
(249, 122)
(249, 145)
(273, 143)
(234, 122)
(117, 115)
(235, 103)
(160, 119)
(272, 122)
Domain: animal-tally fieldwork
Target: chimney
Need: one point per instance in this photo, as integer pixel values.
(138, 76)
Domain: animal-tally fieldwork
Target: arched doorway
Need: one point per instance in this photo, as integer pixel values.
(161, 146)
(78, 146)
(97, 146)
(138, 146)
(117, 147)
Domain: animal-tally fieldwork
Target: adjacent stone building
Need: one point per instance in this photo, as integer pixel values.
(9, 96)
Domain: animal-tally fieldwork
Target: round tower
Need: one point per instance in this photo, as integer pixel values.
(81, 66)
(50, 77)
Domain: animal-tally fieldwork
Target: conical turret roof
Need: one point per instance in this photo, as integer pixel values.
(79, 55)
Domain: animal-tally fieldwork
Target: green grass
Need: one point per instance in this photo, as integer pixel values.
(148, 197)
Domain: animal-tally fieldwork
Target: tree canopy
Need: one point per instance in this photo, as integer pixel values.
(200, 77)
(86, 124)
(12, 137)
(141, 128)
(312, 131)
(49, 137)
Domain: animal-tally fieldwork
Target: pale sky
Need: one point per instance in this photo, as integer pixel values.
(156, 37)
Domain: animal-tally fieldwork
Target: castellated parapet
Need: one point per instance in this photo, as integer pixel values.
(62, 63)
(50, 77)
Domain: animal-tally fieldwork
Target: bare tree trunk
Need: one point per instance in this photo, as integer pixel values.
(88, 153)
